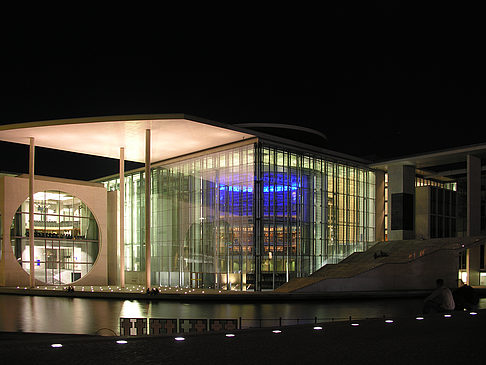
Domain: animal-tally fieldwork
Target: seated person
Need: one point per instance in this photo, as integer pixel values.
(465, 297)
(441, 299)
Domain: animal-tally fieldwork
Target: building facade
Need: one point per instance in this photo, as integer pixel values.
(246, 217)
(224, 207)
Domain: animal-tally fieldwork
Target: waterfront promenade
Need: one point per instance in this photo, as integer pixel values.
(435, 339)
(138, 292)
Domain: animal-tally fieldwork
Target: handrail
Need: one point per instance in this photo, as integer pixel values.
(142, 326)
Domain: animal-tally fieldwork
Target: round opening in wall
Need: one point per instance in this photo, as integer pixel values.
(66, 238)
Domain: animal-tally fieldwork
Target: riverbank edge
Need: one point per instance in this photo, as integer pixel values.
(225, 296)
(47, 336)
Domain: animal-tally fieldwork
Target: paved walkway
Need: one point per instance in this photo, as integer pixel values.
(138, 292)
(407, 340)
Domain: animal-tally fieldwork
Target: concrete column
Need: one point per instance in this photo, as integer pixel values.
(147, 210)
(473, 195)
(401, 202)
(472, 265)
(380, 205)
(31, 210)
(122, 218)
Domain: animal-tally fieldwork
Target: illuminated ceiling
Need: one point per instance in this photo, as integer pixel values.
(172, 135)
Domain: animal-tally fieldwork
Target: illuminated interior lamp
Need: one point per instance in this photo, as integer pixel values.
(230, 335)
(447, 315)
(179, 338)
(419, 318)
(277, 331)
(389, 321)
(318, 328)
(473, 313)
(56, 345)
(121, 342)
(355, 324)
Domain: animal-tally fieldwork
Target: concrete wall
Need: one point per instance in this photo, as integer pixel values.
(15, 190)
(419, 274)
(401, 201)
(422, 212)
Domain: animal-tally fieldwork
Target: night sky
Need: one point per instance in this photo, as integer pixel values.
(380, 82)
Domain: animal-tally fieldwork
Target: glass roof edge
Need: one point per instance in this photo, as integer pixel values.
(181, 158)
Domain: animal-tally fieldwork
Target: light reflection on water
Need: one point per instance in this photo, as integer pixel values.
(87, 316)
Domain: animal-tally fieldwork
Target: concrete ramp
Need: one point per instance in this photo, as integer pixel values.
(393, 265)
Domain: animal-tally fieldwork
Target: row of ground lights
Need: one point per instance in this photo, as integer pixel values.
(278, 331)
(134, 288)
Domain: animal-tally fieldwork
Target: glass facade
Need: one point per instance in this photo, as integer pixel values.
(65, 237)
(314, 212)
(249, 217)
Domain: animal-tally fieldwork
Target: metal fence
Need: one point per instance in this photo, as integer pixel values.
(169, 326)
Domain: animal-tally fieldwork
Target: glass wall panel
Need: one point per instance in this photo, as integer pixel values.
(201, 220)
(314, 212)
(249, 217)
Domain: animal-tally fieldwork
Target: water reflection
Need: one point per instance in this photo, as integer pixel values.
(87, 316)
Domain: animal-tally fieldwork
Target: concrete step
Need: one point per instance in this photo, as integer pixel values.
(395, 252)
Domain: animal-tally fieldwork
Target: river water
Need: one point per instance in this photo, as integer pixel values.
(102, 316)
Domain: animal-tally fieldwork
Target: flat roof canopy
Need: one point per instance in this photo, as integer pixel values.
(450, 162)
(172, 135)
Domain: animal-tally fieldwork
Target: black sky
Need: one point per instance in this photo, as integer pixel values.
(380, 82)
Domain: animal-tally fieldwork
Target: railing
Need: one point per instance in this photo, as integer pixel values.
(169, 326)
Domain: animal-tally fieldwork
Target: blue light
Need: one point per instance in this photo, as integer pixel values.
(279, 188)
(279, 192)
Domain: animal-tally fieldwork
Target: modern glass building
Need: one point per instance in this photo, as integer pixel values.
(222, 206)
(247, 216)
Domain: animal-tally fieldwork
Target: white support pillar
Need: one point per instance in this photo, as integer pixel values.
(31, 210)
(147, 209)
(122, 217)
(380, 205)
(473, 195)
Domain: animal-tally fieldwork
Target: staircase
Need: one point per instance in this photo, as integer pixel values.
(409, 254)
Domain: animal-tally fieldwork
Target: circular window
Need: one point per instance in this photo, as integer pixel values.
(65, 237)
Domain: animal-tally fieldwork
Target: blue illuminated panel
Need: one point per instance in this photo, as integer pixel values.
(237, 200)
(280, 196)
